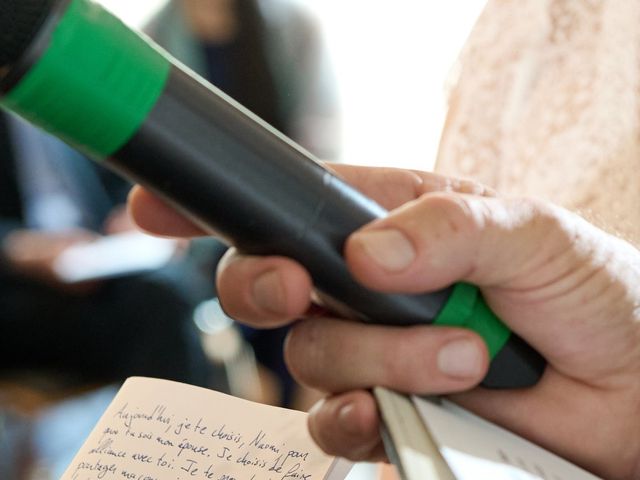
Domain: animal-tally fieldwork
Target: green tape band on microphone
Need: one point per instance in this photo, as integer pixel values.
(466, 308)
(95, 83)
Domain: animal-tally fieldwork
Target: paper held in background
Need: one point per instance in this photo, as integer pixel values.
(113, 256)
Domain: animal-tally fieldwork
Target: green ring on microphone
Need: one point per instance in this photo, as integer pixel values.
(95, 84)
(466, 308)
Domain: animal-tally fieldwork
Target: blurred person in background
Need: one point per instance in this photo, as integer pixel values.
(76, 334)
(268, 55)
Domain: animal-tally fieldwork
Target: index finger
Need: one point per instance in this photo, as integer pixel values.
(390, 187)
(155, 216)
(393, 187)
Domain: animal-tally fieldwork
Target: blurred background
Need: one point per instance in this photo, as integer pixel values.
(391, 62)
(354, 81)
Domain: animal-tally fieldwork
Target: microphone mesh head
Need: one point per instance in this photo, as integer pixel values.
(19, 24)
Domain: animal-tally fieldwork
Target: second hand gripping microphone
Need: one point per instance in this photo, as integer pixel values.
(75, 70)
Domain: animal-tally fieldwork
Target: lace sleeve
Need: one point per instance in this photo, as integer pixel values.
(546, 103)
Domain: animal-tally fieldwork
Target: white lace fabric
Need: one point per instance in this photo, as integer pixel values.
(546, 103)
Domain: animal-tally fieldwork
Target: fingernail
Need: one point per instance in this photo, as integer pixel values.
(461, 359)
(390, 249)
(268, 293)
(347, 416)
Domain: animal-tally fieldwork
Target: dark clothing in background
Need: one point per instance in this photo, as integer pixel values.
(135, 325)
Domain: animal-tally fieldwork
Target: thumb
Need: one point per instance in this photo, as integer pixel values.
(566, 287)
(439, 239)
(536, 264)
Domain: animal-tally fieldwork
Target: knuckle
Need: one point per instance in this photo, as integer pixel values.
(304, 353)
(453, 214)
(544, 217)
(535, 209)
(433, 182)
(468, 186)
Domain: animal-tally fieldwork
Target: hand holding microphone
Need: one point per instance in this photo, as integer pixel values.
(78, 72)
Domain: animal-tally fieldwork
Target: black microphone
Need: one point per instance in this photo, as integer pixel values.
(75, 70)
